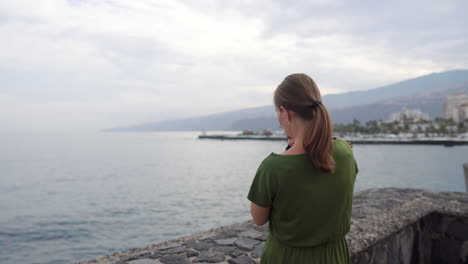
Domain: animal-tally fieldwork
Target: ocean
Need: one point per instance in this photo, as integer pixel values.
(71, 197)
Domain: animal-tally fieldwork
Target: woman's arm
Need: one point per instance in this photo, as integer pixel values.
(260, 215)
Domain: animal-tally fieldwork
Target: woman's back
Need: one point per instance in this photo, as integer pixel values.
(309, 207)
(306, 194)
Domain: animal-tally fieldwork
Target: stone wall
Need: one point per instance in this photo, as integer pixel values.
(435, 238)
(388, 225)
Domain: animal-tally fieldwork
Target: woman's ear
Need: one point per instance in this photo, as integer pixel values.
(283, 112)
(286, 113)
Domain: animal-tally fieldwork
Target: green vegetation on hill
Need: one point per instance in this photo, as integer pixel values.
(437, 127)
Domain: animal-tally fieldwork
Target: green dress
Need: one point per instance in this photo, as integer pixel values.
(310, 210)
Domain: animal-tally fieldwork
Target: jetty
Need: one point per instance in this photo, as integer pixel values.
(409, 141)
(444, 141)
(244, 137)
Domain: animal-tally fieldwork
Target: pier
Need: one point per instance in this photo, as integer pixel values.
(355, 140)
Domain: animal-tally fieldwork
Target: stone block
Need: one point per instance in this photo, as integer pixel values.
(237, 253)
(246, 243)
(145, 255)
(191, 253)
(219, 236)
(120, 261)
(258, 250)
(241, 260)
(361, 258)
(458, 230)
(263, 237)
(393, 250)
(226, 241)
(144, 261)
(445, 251)
(406, 242)
(225, 249)
(176, 250)
(435, 223)
(464, 252)
(465, 170)
(200, 245)
(170, 246)
(230, 233)
(210, 257)
(251, 234)
(175, 259)
(379, 255)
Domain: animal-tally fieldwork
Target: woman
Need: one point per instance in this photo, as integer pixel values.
(306, 192)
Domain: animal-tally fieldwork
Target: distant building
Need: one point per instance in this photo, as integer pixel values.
(248, 132)
(409, 115)
(418, 127)
(463, 112)
(455, 107)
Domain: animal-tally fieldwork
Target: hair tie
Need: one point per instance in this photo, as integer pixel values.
(315, 103)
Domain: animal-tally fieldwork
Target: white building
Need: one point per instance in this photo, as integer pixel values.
(409, 114)
(418, 127)
(463, 112)
(452, 107)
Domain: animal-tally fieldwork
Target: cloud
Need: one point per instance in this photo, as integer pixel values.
(137, 61)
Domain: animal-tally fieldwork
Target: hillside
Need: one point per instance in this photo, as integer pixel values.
(427, 93)
(422, 84)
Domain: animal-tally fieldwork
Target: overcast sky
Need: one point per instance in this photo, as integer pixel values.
(92, 64)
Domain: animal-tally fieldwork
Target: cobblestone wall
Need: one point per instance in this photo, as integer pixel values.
(388, 225)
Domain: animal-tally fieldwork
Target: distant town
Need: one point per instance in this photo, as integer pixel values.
(407, 123)
(415, 123)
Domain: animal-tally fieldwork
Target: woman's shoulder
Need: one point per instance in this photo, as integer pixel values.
(339, 140)
(342, 149)
(278, 162)
(269, 160)
(272, 161)
(341, 143)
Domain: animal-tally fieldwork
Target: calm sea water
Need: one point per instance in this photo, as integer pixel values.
(71, 197)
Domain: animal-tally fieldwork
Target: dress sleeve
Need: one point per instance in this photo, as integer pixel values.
(263, 188)
(352, 153)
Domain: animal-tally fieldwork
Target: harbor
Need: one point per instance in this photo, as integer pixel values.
(404, 127)
(381, 140)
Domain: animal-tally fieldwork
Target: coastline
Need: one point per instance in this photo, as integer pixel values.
(444, 141)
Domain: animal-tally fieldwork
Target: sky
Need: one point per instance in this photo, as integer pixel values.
(86, 65)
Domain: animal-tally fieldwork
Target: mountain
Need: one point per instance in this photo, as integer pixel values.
(431, 102)
(426, 92)
(422, 84)
(219, 121)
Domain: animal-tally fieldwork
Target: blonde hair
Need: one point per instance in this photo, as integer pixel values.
(299, 93)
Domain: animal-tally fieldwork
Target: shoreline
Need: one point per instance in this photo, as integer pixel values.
(364, 141)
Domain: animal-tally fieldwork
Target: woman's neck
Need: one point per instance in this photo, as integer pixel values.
(296, 132)
(297, 147)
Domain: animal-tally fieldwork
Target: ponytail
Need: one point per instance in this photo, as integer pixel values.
(318, 140)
